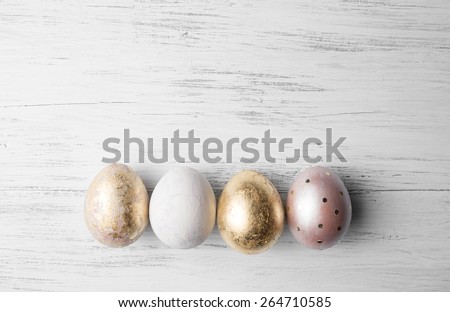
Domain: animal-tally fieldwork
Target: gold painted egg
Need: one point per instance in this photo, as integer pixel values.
(250, 213)
(116, 207)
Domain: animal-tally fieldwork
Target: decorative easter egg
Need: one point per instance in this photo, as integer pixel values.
(318, 208)
(116, 206)
(183, 208)
(250, 215)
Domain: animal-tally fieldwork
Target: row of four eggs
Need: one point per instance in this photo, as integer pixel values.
(250, 213)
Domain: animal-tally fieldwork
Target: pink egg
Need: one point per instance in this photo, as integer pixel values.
(319, 208)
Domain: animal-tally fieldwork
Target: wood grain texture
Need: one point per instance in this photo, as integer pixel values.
(75, 73)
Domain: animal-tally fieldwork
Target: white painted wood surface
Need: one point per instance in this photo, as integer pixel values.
(73, 73)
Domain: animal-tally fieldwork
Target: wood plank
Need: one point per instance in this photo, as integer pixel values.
(376, 72)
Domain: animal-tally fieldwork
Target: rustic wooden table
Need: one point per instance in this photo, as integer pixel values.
(376, 72)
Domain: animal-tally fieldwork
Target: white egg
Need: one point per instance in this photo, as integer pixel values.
(183, 208)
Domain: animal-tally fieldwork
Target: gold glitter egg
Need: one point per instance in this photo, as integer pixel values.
(250, 213)
(116, 206)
